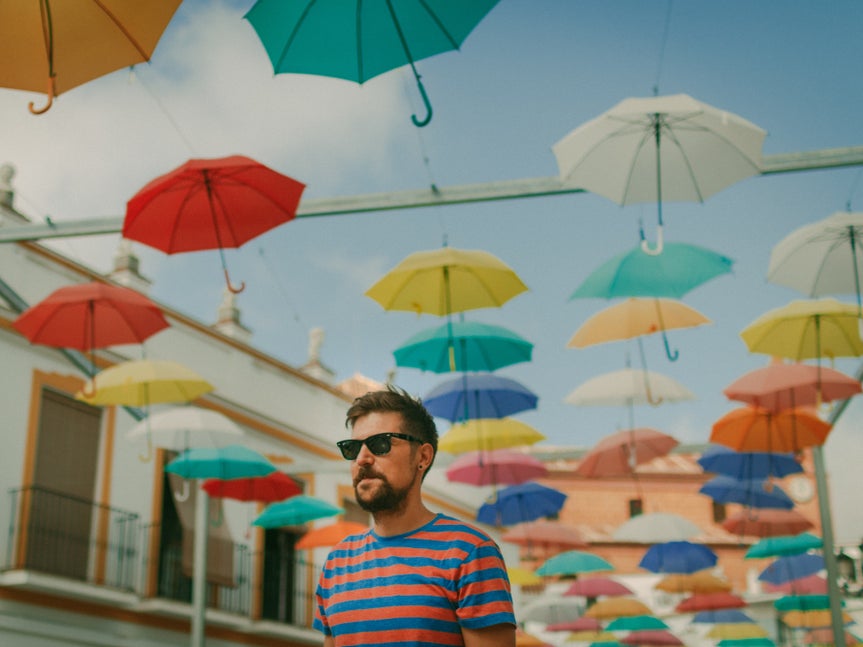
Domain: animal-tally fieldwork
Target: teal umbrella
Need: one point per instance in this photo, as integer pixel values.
(783, 545)
(746, 642)
(809, 602)
(471, 346)
(231, 462)
(296, 511)
(636, 623)
(573, 562)
(356, 40)
(677, 270)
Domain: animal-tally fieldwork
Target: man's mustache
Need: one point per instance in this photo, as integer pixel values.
(366, 473)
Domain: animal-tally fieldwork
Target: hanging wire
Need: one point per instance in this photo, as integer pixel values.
(853, 188)
(281, 288)
(663, 42)
(134, 78)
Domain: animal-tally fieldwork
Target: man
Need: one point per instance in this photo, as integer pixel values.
(416, 578)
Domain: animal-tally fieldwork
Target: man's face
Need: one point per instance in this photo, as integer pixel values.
(382, 483)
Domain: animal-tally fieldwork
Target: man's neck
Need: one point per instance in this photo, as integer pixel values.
(399, 522)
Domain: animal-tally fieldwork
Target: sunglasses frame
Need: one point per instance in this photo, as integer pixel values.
(343, 445)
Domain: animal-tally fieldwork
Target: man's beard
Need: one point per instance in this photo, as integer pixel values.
(384, 499)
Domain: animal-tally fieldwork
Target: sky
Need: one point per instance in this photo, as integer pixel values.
(529, 73)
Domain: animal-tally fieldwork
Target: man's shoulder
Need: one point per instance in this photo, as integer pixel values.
(446, 523)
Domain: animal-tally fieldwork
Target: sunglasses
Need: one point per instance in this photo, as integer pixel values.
(379, 444)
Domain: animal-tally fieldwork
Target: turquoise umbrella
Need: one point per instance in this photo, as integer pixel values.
(746, 642)
(296, 511)
(573, 562)
(783, 545)
(810, 602)
(470, 346)
(356, 41)
(231, 462)
(636, 623)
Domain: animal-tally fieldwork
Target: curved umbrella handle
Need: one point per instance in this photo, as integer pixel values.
(231, 287)
(655, 251)
(671, 355)
(184, 494)
(39, 111)
(145, 458)
(215, 523)
(420, 123)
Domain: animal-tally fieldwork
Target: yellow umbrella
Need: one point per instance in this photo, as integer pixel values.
(523, 576)
(806, 330)
(144, 382)
(447, 280)
(698, 582)
(811, 619)
(736, 631)
(524, 639)
(482, 434)
(617, 607)
(589, 636)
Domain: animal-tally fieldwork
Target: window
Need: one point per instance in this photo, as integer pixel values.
(719, 512)
(636, 507)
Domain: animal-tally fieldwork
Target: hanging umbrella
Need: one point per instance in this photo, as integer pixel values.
(651, 637)
(524, 639)
(619, 453)
(579, 624)
(792, 567)
(518, 503)
(656, 527)
(651, 149)
(823, 637)
(802, 602)
(211, 204)
(644, 622)
(748, 465)
(548, 609)
(629, 387)
(697, 582)
(817, 619)
(180, 428)
(594, 587)
(573, 562)
(786, 386)
(783, 545)
(766, 523)
(144, 382)
(295, 511)
(810, 585)
(592, 637)
(231, 462)
(497, 467)
(523, 576)
(637, 317)
(680, 268)
(746, 642)
(750, 493)
(710, 602)
(329, 535)
(486, 434)
(617, 607)
(276, 486)
(357, 41)
(736, 630)
(482, 395)
(545, 534)
(821, 258)
(749, 429)
(54, 47)
(722, 616)
(677, 557)
(476, 347)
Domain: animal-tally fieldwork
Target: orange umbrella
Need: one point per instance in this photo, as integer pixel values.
(767, 523)
(736, 631)
(698, 582)
(588, 636)
(750, 429)
(330, 535)
(617, 607)
(619, 453)
(812, 619)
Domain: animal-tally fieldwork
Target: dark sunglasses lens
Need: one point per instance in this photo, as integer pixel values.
(379, 445)
(350, 448)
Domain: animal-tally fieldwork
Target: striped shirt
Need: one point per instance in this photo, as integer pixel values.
(413, 590)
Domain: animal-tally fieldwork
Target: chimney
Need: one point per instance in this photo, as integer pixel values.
(228, 321)
(314, 367)
(126, 268)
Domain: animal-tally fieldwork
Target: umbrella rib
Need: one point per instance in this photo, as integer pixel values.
(290, 41)
(126, 34)
(439, 24)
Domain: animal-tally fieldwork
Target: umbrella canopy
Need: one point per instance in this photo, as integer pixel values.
(482, 395)
(329, 535)
(697, 582)
(594, 587)
(544, 533)
(549, 609)
(746, 642)
(583, 623)
(524, 639)
(785, 386)
(810, 585)
(636, 623)
(296, 511)
(358, 41)
(651, 637)
(766, 523)
(650, 149)
(180, 428)
(824, 637)
(792, 567)
(656, 527)
(54, 50)
(710, 602)
(231, 462)
(474, 347)
(523, 576)
(680, 268)
(819, 618)
(629, 387)
(486, 434)
(573, 562)
(617, 607)
(619, 453)
(497, 467)
(91, 315)
(748, 429)
(748, 465)
(806, 330)
(592, 637)
(143, 382)
(784, 545)
(722, 616)
(276, 486)
(519, 503)
(677, 557)
(751, 493)
(447, 280)
(810, 602)
(732, 630)
(211, 204)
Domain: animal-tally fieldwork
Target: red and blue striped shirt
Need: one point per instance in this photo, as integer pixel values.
(418, 589)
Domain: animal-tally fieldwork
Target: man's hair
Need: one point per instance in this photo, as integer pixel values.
(416, 420)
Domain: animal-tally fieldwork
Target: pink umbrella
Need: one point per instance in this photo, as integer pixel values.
(495, 467)
(544, 533)
(809, 585)
(619, 453)
(651, 637)
(710, 602)
(580, 624)
(593, 587)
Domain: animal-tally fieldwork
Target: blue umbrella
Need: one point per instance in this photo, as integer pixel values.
(295, 511)
(678, 557)
(748, 465)
(470, 397)
(573, 562)
(783, 545)
(724, 616)
(519, 503)
(751, 493)
(230, 462)
(792, 567)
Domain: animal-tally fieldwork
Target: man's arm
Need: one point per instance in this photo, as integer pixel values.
(495, 636)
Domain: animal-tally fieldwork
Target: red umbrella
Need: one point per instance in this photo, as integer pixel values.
(579, 624)
(544, 533)
(211, 204)
(276, 486)
(785, 386)
(711, 601)
(619, 453)
(330, 535)
(750, 429)
(593, 587)
(495, 467)
(767, 523)
(651, 637)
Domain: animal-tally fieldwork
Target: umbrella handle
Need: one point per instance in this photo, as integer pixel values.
(424, 122)
(671, 355)
(145, 458)
(38, 111)
(184, 494)
(231, 287)
(215, 523)
(655, 251)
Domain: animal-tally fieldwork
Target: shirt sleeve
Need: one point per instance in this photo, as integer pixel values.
(484, 595)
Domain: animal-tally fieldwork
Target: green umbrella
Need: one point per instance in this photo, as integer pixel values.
(357, 40)
(296, 511)
(783, 545)
(231, 462)
(636, 623)
(573, 562)
(746, 642)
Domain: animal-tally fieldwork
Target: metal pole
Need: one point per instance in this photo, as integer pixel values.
(199, 570)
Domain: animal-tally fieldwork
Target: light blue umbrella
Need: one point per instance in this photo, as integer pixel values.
(296, 511)
(784, 545)
(230, 462)
(751, 493)
(748, 465)
(480, 395)
(573, 562)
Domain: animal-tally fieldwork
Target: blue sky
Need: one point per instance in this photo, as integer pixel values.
(531, 71)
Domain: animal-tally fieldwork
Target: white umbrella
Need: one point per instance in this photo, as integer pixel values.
(549, 609)
(660, 148)
(628, 387)
(180, 428)
(656, 528)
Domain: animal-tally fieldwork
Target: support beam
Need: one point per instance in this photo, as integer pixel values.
(434, 196)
